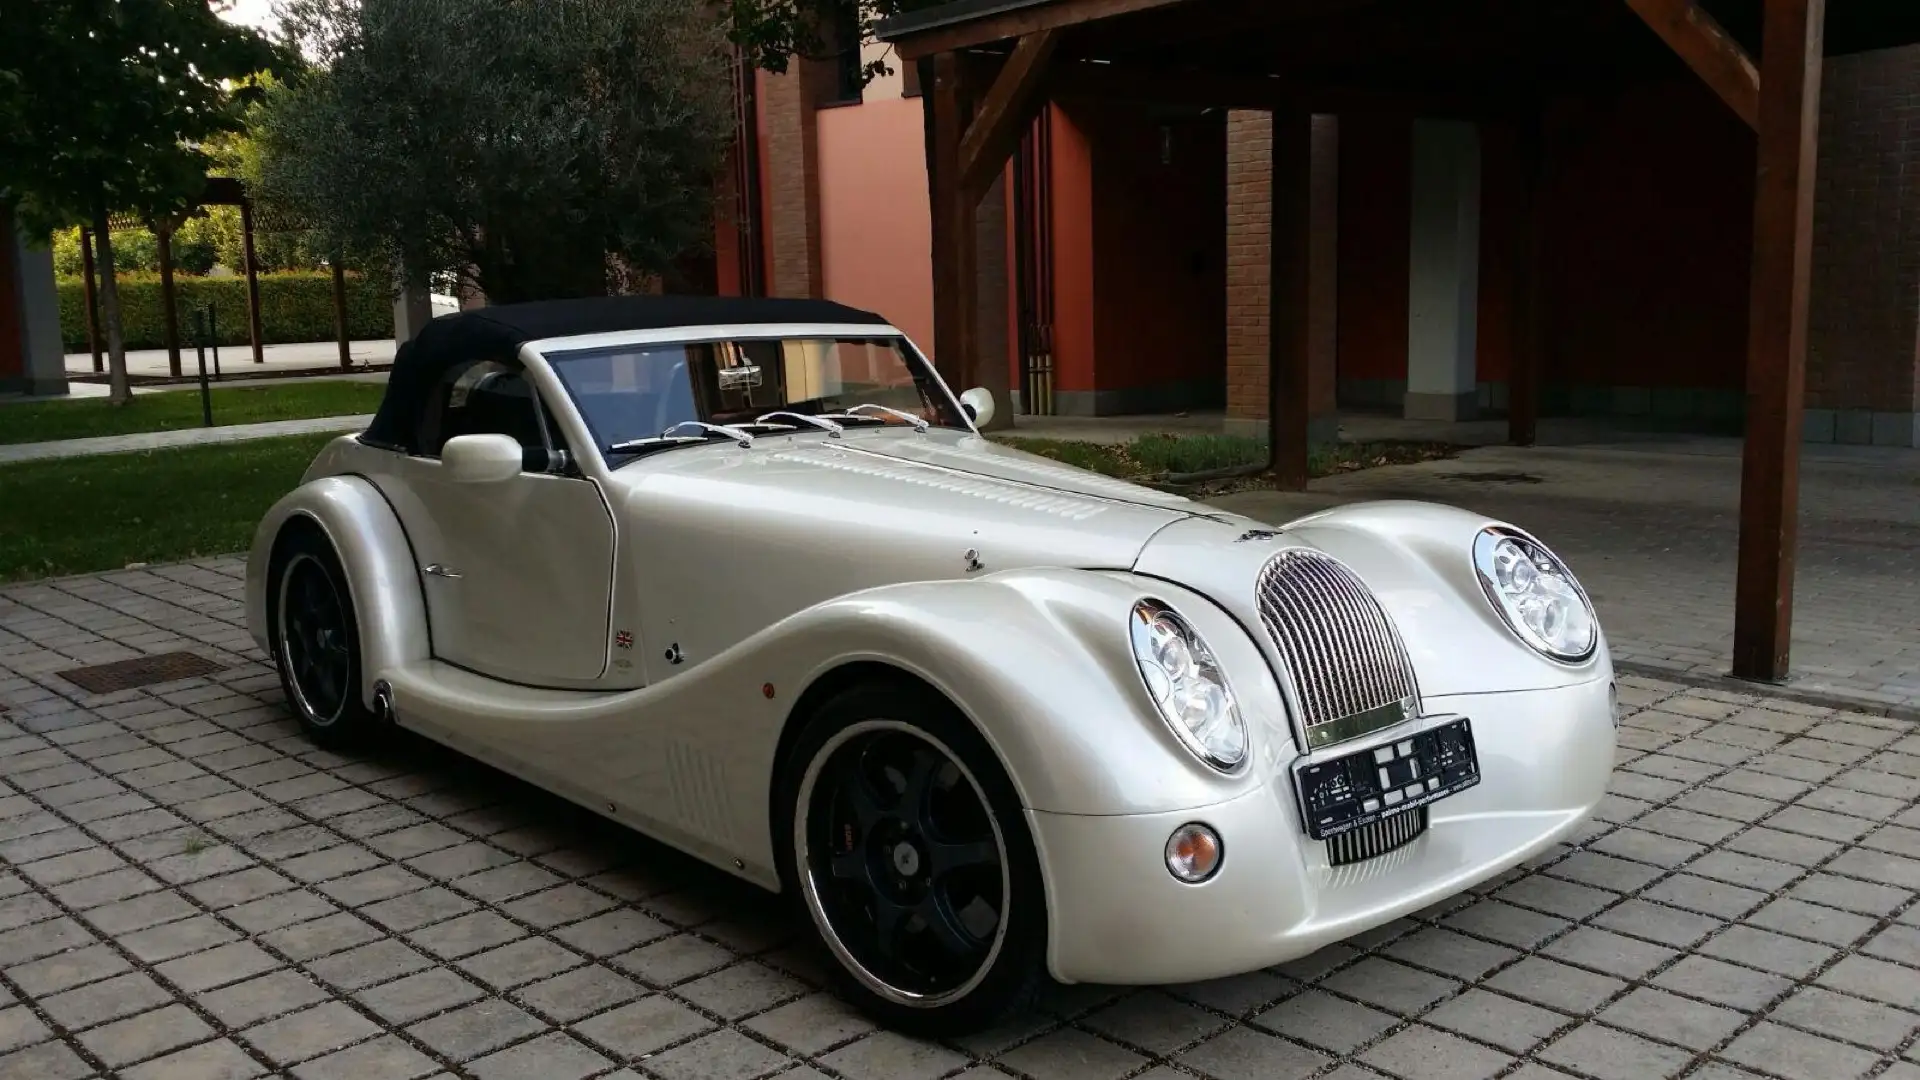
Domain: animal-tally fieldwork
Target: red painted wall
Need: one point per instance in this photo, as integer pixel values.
(1073, 251)
(1648, 238)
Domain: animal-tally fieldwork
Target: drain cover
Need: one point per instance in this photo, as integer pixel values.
(139, 671)
(1493, 477)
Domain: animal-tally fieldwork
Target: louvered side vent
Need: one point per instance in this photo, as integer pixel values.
(1372, 841)
(1345, 658)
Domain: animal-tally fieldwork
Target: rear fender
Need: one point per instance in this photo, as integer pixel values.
(382, 576)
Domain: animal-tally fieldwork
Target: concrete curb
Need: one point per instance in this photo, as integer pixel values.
(1827, 699)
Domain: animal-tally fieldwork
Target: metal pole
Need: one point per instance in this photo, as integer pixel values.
(206, 398)
(213, 338)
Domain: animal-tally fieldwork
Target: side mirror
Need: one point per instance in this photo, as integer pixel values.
(481, 459)
(979, 405)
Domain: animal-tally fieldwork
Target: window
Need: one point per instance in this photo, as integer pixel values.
(628, 392)
(487, 397)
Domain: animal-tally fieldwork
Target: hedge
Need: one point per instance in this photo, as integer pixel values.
(294, 306)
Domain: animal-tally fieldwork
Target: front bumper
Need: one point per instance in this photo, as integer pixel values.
(1119, 917)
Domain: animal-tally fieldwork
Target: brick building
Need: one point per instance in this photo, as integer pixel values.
(1126, 245)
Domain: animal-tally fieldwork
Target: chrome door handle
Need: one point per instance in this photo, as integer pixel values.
(441, 570)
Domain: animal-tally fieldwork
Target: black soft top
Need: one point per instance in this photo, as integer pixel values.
(496, 333)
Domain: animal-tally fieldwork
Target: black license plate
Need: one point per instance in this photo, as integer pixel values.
(1365, 786)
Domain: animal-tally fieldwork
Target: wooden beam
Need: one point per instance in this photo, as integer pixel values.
(1525, 269)
(1201, 89)
(1289, 301)
(1777, 336)
(1708, 49)
(912, 45)
(954, 240)
(1004, 113)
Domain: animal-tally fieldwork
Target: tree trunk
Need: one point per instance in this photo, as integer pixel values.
(119, 392)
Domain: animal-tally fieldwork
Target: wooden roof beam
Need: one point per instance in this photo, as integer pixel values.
(1709, 50)
(910, 45)
(1005, 111)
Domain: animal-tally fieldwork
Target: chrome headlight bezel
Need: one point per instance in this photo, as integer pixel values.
(1486, 544)
(1141, 621)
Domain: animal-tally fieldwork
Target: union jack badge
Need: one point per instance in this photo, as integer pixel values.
(624, 639)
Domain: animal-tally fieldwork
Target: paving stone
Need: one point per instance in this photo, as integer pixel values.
(19, 1027)
(372, 963)
(137, 1038)
(1391, 986)
(110, 999)
(1423, 1053)
(723, 1055)
(469, 1032)
(1767, 951)
(1505, 1022)
(138, 913)
(465, 935)
(1450, 953)
(299, 1036)
(519, 963)
(1673, 1019)
(417, 909)
(1875, 980)
(47, 1061)
(281, 911)
(1780, 1051)
(642, 1028)
(740, 990)
(268, 996)
(221, 1060)
(1071, 1055)
(1608, 952)
(1840, 1016)
(885, 1055)
(1608, 1054)
(159, 943)
(673, 960)
(817, 1022)
(64, 971)
(423, 994)
(552, 1056)
(578, 993)
(1325, 1021)
(216, 967)
(1555, 985)
(503, 883)
(320, 937)
(1657, 922)
(562, 904)
(1722, 984)
(613, 932)
(230, 890)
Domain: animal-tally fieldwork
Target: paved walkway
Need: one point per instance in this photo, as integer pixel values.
(1652, 530)
(237, 359)
(159, 440)
(188, 888)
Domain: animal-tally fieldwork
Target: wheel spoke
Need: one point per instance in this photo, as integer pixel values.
(851, 866)
(945, 926)
(915, 804)
(888, 919)
(852, 784)
(948, 857)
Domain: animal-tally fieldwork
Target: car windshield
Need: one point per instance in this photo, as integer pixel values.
(632, 395)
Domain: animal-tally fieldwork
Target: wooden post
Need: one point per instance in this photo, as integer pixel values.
(253, 278)
(340, 312)
(954, 243)
(1790, 66)
(92, 301)
(1525, 270)
(1288, 302)
(170, 313)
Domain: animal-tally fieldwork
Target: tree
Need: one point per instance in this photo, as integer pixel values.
(514, 145)
(103, 107)
(773, 31)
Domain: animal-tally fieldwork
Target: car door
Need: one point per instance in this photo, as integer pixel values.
(518, 573)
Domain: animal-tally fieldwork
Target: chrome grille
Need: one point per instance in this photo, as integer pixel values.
(1348, 665)
(1370, 841)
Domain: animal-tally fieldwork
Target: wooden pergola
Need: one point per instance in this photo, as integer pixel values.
(992, 64)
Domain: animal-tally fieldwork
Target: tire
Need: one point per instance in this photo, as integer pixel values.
(856, 858)
(308, 602)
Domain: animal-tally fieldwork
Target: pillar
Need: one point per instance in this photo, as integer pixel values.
(1444, 272)
(32, 357)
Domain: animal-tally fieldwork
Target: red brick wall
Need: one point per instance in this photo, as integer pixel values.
(790, 172)
(1865, 318)
(1249, 230)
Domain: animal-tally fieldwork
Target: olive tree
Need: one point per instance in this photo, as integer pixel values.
(513, 144)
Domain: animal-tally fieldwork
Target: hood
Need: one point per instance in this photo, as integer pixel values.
(793, 521)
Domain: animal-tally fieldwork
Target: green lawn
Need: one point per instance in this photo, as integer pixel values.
(1157, 457)
(77, 515)
(83, 418)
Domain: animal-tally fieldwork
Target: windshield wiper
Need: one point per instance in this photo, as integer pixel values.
(832, 429)
(919, 423)
(668, 438)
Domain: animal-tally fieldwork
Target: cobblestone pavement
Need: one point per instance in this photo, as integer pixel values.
(191, 890)
(1653, 532)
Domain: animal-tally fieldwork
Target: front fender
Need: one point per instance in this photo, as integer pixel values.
(383, 579)
(1041, 662)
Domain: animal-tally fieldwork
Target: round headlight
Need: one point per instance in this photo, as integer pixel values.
(1187, 684)
(1536, 594)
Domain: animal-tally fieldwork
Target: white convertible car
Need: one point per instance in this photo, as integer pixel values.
(744, 575)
